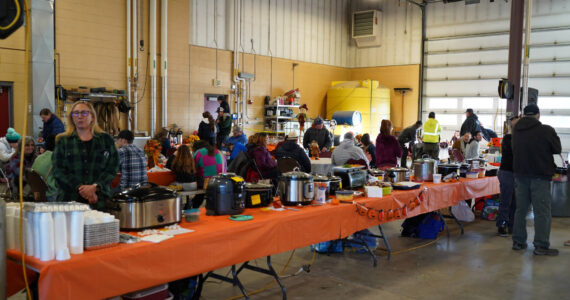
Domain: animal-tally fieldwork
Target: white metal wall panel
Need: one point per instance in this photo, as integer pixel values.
(315, 31)
(306, 30)
(467, 53)
(401, 35)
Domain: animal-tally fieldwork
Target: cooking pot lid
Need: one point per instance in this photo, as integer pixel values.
(297, 175)
(250, 185)
(448, 165)
(375, 171)
(398, 169)
(320, 178)
(334, 178)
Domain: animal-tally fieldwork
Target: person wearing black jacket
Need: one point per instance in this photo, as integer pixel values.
(52, 124)
(290, 148)
(534, 145)
(506, 215)
(408, 135)
(471, 124)
(207, 128)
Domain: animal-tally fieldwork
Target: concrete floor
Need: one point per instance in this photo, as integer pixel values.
(477, 265)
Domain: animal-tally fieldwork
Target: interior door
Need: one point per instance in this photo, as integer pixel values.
(5, 109)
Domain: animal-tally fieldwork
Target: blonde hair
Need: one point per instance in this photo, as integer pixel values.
(71, 126)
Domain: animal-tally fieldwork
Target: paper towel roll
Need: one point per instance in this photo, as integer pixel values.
(47, 248)
(76, 232)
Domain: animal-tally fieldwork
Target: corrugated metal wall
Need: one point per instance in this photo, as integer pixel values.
(401, 35)
(314, 31)
(467, 53)
(306, 30)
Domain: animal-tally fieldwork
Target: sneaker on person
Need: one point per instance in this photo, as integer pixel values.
(503, 230)
(519, 246)
(545, 251)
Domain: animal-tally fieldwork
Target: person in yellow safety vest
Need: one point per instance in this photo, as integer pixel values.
(430, 137)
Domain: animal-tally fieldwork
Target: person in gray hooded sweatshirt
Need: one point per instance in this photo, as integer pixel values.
(347, 150)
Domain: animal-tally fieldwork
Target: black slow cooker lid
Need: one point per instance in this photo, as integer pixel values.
(144, 192)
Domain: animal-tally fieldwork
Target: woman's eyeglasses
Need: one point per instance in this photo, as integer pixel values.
(83, 113)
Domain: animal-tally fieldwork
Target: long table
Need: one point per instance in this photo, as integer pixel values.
(219, 242)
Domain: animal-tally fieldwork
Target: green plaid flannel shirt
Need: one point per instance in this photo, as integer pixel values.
(73, 166)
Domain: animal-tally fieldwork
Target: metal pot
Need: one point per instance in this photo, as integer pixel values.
(335, 184)
(396, 175)
(480, 161)
(145, 205)
(377, 173)
(296, 188)
(445, 169)
(424, 168)
(463, 169)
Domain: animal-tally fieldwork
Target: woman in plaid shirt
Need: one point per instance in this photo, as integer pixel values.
(85, 159)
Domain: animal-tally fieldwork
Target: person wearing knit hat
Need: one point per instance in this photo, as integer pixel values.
(8, 145)
(318, 133)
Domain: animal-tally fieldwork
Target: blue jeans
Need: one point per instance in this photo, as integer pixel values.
(507, 206)
(533, 191)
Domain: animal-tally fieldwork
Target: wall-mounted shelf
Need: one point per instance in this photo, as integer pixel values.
(283, 106)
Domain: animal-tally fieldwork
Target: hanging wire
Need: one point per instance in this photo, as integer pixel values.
(216, 33)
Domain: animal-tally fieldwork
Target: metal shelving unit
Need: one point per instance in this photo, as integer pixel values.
(277, 124)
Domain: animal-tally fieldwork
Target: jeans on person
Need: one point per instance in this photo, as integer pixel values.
(508, 205)
(432, 150)
(535, 191)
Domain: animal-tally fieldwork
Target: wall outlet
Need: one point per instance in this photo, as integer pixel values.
(216, 82)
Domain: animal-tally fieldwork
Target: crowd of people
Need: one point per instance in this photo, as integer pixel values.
(79, 162)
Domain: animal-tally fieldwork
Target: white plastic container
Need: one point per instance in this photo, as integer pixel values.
(10, 229)
(436, 178)
(29, 233)
(47, 247)
(36, 230)
(76, 223)
(60, 231)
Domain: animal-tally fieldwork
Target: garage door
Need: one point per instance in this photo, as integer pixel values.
(467, 53)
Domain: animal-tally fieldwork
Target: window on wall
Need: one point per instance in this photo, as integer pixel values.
(446, 119)
(478, 103)
(442, 103)
(556, 121)
(554, 102)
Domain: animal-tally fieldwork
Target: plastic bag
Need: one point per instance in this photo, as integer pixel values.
(463, 212)
(490, 213)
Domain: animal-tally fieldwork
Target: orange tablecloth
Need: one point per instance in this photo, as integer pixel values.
(218, 242)
(160, 178)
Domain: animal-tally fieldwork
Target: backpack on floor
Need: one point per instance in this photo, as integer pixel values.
(431, 226)
(363, 236)
(334, 246)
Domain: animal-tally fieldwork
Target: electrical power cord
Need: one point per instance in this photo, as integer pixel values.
(307, 268)
(304, 268)
(22, 152)
(16, 18)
